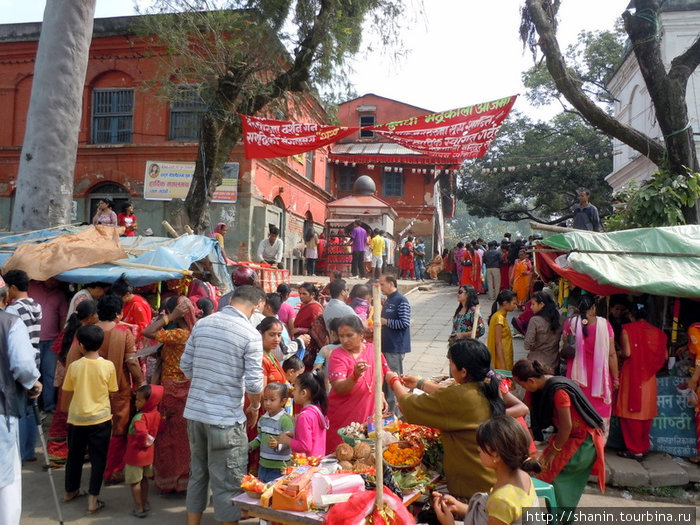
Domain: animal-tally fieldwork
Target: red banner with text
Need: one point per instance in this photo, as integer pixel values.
(265, 138)
(456, 134)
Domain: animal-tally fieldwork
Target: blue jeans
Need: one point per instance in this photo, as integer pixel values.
(419, 268)
(266, 474)
(27, 430)
(310, 266)
(48, 372)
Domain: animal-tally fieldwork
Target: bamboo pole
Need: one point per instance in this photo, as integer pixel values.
(475, 323)
(169, 229)
(150, 267)
(378, 380)
(551, 228)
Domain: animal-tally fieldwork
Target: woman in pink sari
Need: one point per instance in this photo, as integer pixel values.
(351, 373)
(595, 353)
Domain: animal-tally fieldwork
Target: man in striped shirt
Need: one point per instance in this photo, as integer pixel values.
(29, 311)
(223, 359)
(396, 330)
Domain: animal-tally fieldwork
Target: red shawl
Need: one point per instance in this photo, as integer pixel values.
(307, 314)
(648, 353)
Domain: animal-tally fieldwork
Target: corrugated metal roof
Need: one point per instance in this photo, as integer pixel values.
(371, 148)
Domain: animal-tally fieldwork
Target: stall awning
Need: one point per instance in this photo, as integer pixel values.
(149, 259)
(658, 261)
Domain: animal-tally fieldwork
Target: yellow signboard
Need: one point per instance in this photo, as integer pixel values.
(165, 181)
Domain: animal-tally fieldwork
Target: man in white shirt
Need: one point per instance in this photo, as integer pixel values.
(270, 250)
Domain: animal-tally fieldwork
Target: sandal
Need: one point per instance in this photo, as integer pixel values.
(100, 506)
(629, 455)
(74, 495)
(695, 460)
(137, 514)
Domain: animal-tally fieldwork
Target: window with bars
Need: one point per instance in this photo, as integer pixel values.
(310, 165)
(346, 178)
(392, 184)
(186, 115)
(112, 116)
(366, 120)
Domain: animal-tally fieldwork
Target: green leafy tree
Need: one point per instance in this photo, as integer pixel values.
(528, 174)
(246, 56)
(667, 87)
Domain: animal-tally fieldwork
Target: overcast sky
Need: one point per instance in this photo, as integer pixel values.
(461, 52)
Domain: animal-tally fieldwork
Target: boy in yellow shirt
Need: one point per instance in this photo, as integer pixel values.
(91, 379)
(377, 245)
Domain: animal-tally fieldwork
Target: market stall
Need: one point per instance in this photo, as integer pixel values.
(88, 254)
(661, 262)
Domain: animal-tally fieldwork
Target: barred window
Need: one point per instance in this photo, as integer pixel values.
(186, 112)
(346, 178)
(112, 116)
(366, 120)
(392, 184)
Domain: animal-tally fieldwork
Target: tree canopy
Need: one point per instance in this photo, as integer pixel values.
(533, 170)
(667, 88)
(248, 55)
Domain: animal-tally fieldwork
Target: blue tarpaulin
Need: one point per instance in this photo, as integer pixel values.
(164, 253)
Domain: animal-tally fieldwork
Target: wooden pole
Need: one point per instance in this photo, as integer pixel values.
(378, 381)
(169, 229)
(150, 267)
(475, 323)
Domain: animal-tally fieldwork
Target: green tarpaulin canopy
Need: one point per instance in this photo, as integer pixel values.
(658, 261)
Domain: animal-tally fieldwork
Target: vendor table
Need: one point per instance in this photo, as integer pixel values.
(289, 517)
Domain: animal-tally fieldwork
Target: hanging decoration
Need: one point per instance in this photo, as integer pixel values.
(265, 138)
(456, 134)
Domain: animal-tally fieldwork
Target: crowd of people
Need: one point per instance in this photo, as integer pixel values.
(199, 390)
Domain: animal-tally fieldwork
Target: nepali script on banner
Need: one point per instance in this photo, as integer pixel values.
(267, 138)
(456, 134)
(171, 180)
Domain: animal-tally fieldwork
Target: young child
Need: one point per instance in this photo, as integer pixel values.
(503, 447)
(90, 379)
(292, 367)
(359, 300)
(321, 362)
(139, 446)
(272, 424)
(312, 423)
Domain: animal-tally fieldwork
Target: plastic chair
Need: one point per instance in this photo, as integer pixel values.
(546, 491)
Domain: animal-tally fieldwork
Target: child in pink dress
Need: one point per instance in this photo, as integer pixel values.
(312, 423)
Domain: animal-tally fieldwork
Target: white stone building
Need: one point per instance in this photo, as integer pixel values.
(679, 26)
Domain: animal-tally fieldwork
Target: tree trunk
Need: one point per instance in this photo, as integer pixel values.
(46, 171)
(215, 146)
(667, 91)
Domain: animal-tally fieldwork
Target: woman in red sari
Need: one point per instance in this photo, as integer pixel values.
(351, 374)
(644, 347)
(577, 448)
(406, 267)
(118, 347)
(172, 448)
(322, 261)
(309, 310)
(137, 312)
(470, 267)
